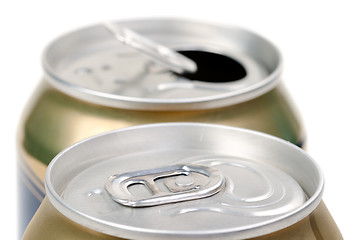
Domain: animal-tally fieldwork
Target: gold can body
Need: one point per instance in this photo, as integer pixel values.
(54, 121)
(49, 224)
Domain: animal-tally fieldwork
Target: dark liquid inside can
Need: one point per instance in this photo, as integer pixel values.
(213, 67)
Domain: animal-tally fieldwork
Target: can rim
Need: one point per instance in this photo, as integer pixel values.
(254, 230)
(234, 96)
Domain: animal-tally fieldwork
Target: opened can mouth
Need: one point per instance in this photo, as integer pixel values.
(234, 65)
(149, 182)
(213, 67)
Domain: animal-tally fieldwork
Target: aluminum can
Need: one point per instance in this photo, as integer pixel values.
(93, 84)
(183, 181)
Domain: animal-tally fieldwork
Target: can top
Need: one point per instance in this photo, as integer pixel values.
(233, 65)
(184, 180)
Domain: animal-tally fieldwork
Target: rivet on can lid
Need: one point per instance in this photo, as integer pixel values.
(184, 181)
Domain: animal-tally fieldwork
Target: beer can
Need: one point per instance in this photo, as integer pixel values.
(93, 83)
(183, 181)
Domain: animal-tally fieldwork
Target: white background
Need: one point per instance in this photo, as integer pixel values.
(317, 39)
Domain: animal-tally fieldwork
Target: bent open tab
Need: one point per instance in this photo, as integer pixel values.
(171, 59)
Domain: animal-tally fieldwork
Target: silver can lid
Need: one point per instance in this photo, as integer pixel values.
(233, 65)
(184, 180)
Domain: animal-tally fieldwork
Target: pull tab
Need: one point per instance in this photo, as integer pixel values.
(173, 60)
(181, 183)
